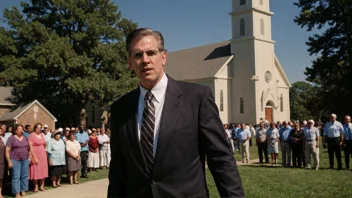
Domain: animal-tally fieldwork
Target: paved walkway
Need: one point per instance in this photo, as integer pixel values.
(92, 189)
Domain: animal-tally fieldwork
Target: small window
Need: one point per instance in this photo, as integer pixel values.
(221, 100)
(242, 2)
(242, 27)
(281, 103)
(241, 106)
(261, 2)
(262, 27)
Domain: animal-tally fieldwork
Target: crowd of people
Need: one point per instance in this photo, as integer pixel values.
(299, 142)
(30, 155)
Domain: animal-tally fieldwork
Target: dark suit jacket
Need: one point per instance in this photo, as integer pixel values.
(190, 129)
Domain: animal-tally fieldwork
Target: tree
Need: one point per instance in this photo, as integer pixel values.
(304, 102)
(65, 53)
(332, 70)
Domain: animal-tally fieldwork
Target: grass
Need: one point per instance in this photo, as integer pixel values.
(101, 174)
(266, 181)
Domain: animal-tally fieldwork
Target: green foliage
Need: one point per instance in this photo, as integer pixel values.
(65, 53)
(263, 181)
(332, 70)
(304, 102)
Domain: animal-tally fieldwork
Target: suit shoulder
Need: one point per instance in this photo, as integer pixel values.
(193, 87)
(125, 99)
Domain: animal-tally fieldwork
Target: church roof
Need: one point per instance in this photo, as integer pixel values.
(15, 112)
(199, 62)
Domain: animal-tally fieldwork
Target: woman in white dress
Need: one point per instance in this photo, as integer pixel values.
(273, 142)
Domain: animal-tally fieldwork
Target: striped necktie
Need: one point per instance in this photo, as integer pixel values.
(147, 130)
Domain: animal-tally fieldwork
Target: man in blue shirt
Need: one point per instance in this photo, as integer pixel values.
(26, 130)
(334, 137)
(236, 141)
(83, 138)
(285, 144)
(244, 135)
(348, 140)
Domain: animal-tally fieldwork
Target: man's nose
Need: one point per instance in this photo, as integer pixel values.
(145, 58)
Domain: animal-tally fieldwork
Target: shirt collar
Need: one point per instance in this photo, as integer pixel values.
(158, 90)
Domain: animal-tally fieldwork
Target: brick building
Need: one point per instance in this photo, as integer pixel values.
(25, 113)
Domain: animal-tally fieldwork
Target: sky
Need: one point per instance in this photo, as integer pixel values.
(191, 23)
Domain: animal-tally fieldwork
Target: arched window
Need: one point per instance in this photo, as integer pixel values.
(242, 27)
(221, 100)
(261, 2)
(281, 103)
(242, 2)
(262, 27)
(241, 106)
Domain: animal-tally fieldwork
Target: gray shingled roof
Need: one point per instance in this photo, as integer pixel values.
(5, 93)
(14, 111)
(199, 62)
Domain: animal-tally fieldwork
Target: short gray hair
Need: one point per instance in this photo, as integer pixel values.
(142, 32)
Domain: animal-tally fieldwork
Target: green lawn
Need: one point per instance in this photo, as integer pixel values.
(267, 181)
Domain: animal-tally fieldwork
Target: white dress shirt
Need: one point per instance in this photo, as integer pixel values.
(159, 97)
(101, 140)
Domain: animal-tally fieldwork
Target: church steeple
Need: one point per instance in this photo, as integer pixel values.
(251, 19)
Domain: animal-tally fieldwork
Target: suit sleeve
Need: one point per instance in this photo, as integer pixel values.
(116, 172)
(220, 160)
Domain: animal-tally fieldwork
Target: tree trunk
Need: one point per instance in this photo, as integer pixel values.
(83, 116)
(104, 118)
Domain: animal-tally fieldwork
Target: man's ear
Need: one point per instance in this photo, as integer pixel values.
(163, 56)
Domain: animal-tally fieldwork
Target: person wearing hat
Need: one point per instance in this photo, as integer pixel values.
(311, 137)
(64, 135)
(47, 133)
(334, 137)
(56, 158)
(285, 140)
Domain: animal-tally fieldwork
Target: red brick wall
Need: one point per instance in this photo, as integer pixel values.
(42, 117)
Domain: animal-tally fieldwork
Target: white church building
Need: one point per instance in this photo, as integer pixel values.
(244, 74)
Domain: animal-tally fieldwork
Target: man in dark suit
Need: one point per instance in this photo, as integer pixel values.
(162, 132)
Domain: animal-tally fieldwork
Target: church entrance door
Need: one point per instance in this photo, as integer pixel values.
(269, 114)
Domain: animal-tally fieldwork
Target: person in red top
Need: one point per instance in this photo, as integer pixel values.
(93, 158)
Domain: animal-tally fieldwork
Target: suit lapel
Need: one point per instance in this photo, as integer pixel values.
(170, 113)
(132, 130)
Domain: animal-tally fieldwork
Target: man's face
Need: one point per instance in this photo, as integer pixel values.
(348, 119)
(333, 118)
(261, 125)
(147, 61)
(46, 129)
(243, 126)
(310, 125)
(3, 127)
